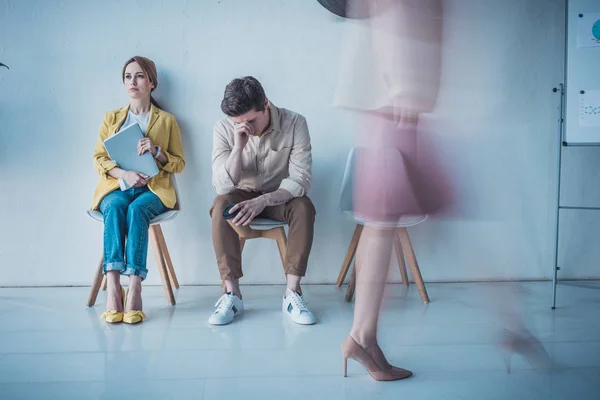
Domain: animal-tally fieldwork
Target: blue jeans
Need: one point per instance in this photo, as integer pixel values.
(127, 215)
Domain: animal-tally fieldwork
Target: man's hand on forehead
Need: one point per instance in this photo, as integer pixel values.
(244, 127)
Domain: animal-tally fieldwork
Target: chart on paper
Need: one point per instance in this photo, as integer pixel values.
(582, 81)
(588, 30)
(589, 108)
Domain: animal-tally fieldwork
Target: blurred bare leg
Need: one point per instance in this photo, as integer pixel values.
(372, 266)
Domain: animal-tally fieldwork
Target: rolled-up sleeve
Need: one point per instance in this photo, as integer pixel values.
(175, 156)
(300, 165)
(222, 182)
(102, 162)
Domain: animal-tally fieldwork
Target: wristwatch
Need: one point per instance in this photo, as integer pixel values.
(158, 151)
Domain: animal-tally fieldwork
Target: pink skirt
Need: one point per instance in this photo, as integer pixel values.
(389, 181)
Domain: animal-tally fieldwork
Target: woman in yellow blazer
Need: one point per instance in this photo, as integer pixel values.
(127, 214)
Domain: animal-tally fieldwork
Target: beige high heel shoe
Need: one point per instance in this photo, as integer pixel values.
(380, 360)
(351, 349)
(526, 345)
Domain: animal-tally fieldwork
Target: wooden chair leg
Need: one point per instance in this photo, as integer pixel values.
(349, 255)
(401, 262)
(98, 279)
(412, 262)
(160, 262)
(104, 283)
(281, 244)
(167, 257)
(351, 285)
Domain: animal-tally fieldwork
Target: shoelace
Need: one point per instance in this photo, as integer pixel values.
(224, 303)
(298, 301)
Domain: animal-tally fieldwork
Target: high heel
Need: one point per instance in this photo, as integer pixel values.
(351, 349)
(134, 317)
(345, 366)
(379, 358)
(526, 345)
(506, 357)
(114, 316)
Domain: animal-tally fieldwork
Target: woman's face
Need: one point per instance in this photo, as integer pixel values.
(136, 82)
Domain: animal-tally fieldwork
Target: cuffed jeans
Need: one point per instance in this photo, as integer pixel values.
(127, 216)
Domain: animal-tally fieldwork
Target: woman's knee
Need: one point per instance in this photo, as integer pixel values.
(137, 212)
(113, 208)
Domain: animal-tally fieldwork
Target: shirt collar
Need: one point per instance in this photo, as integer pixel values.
(275, 115)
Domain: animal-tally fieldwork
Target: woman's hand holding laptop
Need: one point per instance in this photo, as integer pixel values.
(144, 145)
(134, 179)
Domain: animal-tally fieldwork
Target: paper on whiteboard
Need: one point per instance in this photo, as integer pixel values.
(588, 30)
(589, 108)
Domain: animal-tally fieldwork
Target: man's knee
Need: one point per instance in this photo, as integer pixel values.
(302, 207)
(219, 204)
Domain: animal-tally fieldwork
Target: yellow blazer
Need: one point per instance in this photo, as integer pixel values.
(164, 132)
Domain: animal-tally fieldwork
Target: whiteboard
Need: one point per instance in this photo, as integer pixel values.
(582, 86)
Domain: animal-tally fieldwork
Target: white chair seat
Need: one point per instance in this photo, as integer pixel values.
(347, 194)
(403, 222)
(159, 219)
(264, 224)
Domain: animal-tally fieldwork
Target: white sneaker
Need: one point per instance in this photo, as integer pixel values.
(228, 307)
(295, 307)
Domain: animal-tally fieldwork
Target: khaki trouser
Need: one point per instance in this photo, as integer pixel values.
(298, 213)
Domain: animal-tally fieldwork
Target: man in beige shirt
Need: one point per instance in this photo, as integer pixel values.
(261, 164)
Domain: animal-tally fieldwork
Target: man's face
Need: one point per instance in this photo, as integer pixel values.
(254, 119)
(257, 120)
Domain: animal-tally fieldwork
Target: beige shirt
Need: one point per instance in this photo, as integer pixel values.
(280, 158)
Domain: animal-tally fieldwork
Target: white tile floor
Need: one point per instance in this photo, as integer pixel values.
(53, 347)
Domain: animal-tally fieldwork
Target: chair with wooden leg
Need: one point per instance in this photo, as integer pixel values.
(159, 247)
(263, 228)
(402, 244)
(404, 251)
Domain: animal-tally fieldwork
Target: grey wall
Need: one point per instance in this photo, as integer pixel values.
(493, 133)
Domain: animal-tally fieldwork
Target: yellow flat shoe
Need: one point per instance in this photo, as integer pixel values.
(134, 317)
(114, 316)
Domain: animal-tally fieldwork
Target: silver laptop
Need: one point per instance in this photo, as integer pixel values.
(122, 149)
